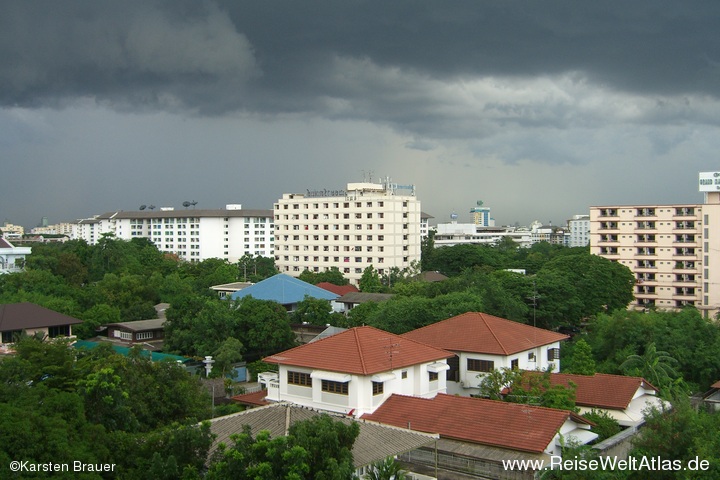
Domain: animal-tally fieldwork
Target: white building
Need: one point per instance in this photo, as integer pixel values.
(12, 258)
(12, 231)
(483, 343)
(354, 371)
(193, 235)
(368, 224)
(450, 234)
(579, 230)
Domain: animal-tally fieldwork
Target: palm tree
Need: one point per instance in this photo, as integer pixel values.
(655, 366)
(388, 469)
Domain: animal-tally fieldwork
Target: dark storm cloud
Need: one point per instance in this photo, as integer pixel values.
(283, 55)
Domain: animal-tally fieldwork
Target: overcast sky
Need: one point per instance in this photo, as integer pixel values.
(539, 108)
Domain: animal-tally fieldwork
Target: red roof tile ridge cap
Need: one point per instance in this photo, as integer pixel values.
(360, 351)
(305, 345)
(502, 347)
(448, 352)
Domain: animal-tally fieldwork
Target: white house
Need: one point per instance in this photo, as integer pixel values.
(510, 426)
(353, 372)
(482, 343)
(623, 398)
(12, 258)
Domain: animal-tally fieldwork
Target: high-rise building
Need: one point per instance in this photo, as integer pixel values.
(193, 235)
(579, 231)
(673, 250)
(367, 224)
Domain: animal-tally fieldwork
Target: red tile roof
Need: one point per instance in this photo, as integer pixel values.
(600, 390)
(256, 399)
(487, 422)
(5, 244)
(476, 332)
(19, 316)
(360, 351)
(337, 289)
(715, 385)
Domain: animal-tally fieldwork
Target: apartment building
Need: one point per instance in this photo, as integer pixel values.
(193, 235)
(673, 250)
(579, 231)
(367, 224)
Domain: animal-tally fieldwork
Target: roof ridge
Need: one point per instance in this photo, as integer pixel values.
(360, 351)
(502, 347)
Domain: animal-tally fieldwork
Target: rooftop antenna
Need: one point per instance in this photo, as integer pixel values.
(390, 350)
(193, 203)
(151, 207)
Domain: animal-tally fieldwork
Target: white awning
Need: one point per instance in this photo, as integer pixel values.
(383, 377)
(578, 435)
(332, 376)
(438, 367)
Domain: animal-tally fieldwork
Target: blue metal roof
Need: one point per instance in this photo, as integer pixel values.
(284, 290)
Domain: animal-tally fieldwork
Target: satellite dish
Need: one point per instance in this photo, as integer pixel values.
(152, 207)
(453, 216)
(186, 204)
(479, 203)
(143, 207)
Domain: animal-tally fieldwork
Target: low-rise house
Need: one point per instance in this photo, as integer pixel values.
(479, 434)
(228, 289)
(12, 258)
(375, 442)
(354, 371)
(339, 290)
(623, 398)
(353, 299)
(482, 343)
(138, 331)
(285, 290)
(712, 397)
(16, 318)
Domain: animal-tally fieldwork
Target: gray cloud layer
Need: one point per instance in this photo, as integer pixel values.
(468, 88)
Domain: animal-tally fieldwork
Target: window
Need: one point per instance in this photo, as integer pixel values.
(553, 354)
(299, 378)
(144, 335)
(531, 356)
(341, 388)
(475, 365)
(57, 331)
(432, 376)
(515, 364)
(377, 388)
(403, 375)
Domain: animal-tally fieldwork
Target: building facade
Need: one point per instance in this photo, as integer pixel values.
(12, 258)
(368, 224)
(579, 231)
(192, 235)
(673, 250)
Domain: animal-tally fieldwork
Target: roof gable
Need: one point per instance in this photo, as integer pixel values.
(337, 289)
(477, 332)
(19, 316)
(359, 351)
(283, 289)
(476, 420)
(602, 390)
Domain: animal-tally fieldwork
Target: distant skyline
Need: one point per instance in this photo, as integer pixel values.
(540, 109)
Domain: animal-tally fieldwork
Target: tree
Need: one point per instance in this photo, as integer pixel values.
(582, 361)
(229, 352)
(605, 425)
(655, 366)
(318, 449)
(314, 311)
(387, 469)
(370, 281)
